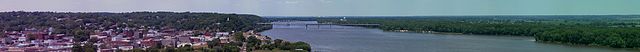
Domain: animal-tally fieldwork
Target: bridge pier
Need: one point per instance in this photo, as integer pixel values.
(317, 26)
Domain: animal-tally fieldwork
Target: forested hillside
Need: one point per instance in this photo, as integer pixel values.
(184, 20)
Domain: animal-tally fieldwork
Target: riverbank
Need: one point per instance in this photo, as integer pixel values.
(549, 42)
(254, 41)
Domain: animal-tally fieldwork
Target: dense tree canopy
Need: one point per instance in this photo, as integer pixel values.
(183, 21)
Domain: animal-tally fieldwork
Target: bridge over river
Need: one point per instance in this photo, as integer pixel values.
(319, 24)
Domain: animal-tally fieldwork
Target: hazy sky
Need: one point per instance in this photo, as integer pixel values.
(338, 7)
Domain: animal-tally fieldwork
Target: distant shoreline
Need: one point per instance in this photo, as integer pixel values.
(449, 15)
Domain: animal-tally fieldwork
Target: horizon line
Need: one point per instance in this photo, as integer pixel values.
(159, 11)
(470, 15)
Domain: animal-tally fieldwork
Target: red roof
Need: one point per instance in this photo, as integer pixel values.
(207, 34)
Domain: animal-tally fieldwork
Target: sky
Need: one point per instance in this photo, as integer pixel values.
(339, 7)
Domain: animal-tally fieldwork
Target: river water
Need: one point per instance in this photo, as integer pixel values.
(327, 38)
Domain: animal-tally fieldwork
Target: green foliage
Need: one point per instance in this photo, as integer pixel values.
(230, 49)
(213, 43)
(89, 47)
(80, 35)
(185, 49)
(239, 37)
(137, 50)
(252, 40)
(282, 45)
(153, 50)
(612, 37)
(300, 45)
(2, 34)
(253, 43)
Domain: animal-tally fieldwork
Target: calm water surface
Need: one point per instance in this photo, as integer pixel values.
(328, 38)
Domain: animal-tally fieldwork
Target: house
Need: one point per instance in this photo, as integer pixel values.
(118, 43)
(209, 38)
(15, 49)
(196, 39)
(35, 49)
(22, 38)
(106, 50)
(199, 43)
(168, 42)
(148, 43)
(184, 44)
(222, 33)
(224, 40)
(37, 36)
(125, 47)
(184, 40)
(60, 45)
